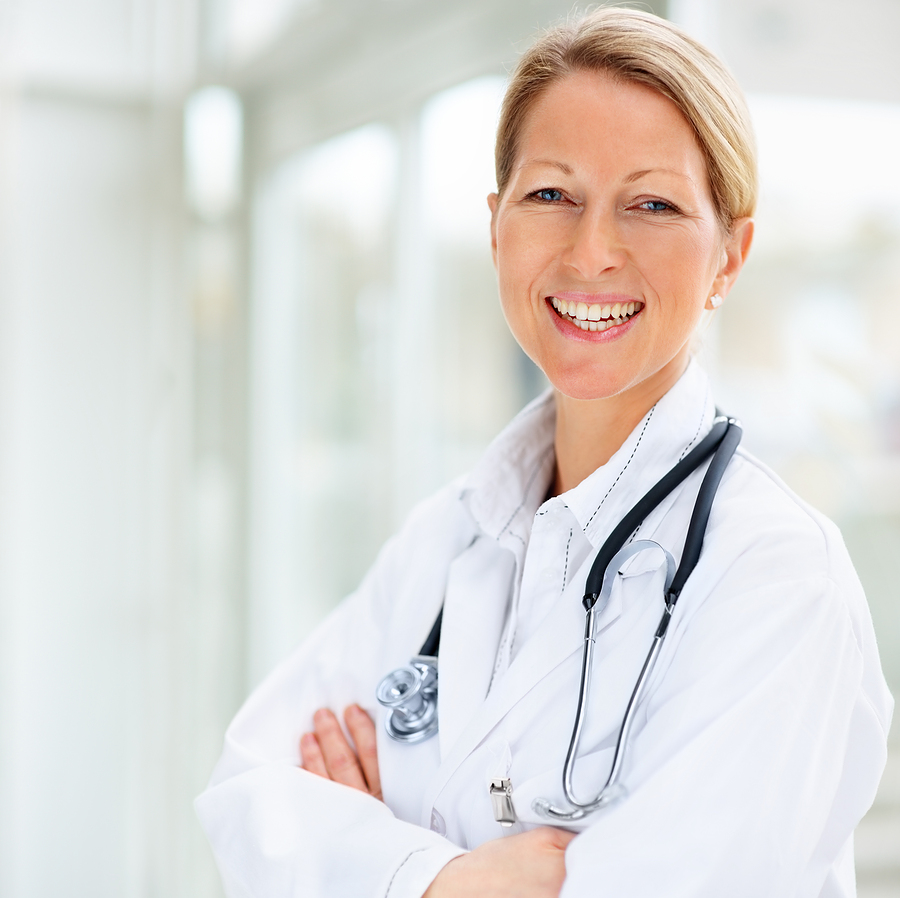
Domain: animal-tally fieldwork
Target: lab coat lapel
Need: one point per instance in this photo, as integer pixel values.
(473, 619)
(560, 636)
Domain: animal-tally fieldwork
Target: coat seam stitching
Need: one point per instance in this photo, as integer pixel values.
(697, 433)
(537, 468)
(624, 469)
(566, 567)
(402, 865)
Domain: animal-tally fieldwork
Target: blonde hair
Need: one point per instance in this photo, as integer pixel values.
(639, 47)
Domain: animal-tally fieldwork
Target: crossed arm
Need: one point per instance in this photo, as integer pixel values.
(527, 865)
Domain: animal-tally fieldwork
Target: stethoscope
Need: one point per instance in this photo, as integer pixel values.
(410, 693)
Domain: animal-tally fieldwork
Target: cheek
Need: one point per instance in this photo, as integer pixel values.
(517, 267)
(518, 260)
(513, 243)
(680, 269)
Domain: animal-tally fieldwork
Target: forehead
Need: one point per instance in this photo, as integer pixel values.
(593, 115)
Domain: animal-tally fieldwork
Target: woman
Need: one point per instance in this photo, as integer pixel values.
(626, 182)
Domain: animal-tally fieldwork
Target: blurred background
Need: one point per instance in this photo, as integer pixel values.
(248, 318)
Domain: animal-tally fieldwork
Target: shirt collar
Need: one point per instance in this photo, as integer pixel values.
(508, 484)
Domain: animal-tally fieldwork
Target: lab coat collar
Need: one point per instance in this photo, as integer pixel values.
(508, 484)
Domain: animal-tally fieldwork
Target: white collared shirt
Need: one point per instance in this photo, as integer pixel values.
(756, 750)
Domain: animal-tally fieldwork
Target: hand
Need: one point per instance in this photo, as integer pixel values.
(528, 865)
(326, 752)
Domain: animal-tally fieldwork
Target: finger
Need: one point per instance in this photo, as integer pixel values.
(311, 755)
(362, 729)
(340, 760)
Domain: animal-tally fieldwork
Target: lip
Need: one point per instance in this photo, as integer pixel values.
(573, 332)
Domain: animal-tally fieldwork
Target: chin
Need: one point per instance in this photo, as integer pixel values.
(586, 386)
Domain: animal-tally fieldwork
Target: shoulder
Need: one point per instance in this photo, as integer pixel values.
(766, 551)
(767, 548)
(775, 581)
(762, 515)
(417, 556)
(440, 520)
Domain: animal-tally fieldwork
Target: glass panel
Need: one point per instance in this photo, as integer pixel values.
(381, 362)
(484, 378)
(806, 348)
(320, 383)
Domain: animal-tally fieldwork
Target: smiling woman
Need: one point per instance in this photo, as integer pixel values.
(755, 735)
(600, 225)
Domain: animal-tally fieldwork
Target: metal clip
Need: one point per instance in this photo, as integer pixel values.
(501, 798)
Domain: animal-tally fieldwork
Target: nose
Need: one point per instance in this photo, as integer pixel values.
(596, 245)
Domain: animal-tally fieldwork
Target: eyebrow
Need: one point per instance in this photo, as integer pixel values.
(565, 169)
(636, 176)
(630, 179)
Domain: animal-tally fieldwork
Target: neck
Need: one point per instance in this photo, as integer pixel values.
(590, 432)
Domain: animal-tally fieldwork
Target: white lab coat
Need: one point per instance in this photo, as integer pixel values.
(757, 748)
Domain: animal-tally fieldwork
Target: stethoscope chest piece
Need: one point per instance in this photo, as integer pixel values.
(410, 694)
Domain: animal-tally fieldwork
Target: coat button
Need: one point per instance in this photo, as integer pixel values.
(437, 823)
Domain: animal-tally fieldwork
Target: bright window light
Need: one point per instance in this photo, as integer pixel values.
(826, 168)
(351, 178)
(213, 126)
(253, 24)
(458, 127)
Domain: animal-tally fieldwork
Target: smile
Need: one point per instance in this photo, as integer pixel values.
(594, 317)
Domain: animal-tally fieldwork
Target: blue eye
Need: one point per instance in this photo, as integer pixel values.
(548, 195)
(656, 206)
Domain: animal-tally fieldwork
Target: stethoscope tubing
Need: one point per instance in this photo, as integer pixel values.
(722, 428)
(609, 791)
(410, 694)
(721, 445)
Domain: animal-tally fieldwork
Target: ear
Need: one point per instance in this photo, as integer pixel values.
(493, 201)
(735, 247)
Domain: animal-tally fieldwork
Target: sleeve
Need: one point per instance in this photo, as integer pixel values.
(278, 831)
(756, 756)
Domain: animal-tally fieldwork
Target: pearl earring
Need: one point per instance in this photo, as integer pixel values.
(715, 301)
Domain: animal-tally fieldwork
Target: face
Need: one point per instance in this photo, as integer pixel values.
(606, 241)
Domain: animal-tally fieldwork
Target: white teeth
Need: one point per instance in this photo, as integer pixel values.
(595, 318)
